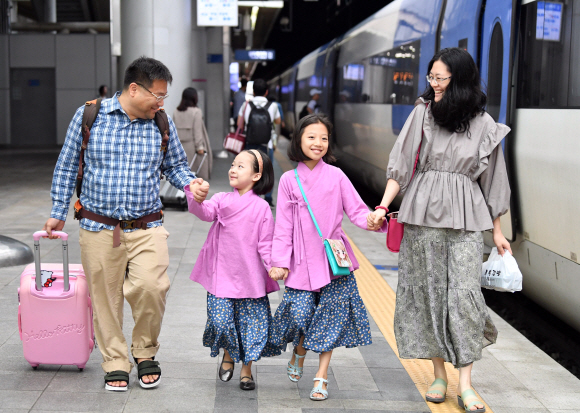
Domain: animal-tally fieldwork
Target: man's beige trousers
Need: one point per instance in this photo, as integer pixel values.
(136, 271)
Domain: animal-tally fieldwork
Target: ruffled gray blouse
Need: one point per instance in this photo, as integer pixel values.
(460, 182)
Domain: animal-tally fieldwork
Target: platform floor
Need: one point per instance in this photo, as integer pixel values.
(513, 377)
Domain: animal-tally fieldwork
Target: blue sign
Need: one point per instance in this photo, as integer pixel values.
(215, 58)
(253, 55)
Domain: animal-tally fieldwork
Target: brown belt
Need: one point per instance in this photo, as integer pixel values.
(139, 223)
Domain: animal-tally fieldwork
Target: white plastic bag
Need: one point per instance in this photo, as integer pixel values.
(501, 273)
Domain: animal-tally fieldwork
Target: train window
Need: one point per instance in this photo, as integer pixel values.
(495, 69)
(388, 77)
(549, 57)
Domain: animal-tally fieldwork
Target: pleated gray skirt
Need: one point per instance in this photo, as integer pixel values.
(440, 310)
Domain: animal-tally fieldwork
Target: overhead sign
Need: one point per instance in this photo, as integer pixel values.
(253, 55)
(217, 13)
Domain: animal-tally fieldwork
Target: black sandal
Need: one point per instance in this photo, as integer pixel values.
(226, 375)
(117, 375)
(146, 368)
(249, 384)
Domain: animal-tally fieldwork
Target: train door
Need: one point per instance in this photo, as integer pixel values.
(495, 63)
(328, 79)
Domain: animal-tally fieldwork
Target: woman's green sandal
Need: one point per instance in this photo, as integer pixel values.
(470, 400)
(117, 375)
(439, 386)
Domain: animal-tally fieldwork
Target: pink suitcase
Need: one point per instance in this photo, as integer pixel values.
(55, 319)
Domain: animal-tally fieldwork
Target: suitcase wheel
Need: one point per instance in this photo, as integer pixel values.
(80, 369)
(34, 367)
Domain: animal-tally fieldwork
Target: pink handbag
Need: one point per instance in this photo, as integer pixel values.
(235, 142)
(396, 229)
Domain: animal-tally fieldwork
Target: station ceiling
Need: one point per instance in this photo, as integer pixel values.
(310, 24)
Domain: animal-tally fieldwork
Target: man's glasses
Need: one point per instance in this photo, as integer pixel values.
(437, 81)
(159, 98)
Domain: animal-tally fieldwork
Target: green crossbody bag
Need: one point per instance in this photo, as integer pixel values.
(335, 249)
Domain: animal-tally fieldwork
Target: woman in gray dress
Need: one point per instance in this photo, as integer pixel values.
(458, 189)
(192, 134)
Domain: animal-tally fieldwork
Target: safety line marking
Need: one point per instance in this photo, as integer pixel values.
(379, 299)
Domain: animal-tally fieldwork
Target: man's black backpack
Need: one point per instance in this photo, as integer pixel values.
(303, 112)
(259, 130)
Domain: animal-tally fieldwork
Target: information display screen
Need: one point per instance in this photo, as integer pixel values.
(549, 21)
(217, 13)
(253, 55)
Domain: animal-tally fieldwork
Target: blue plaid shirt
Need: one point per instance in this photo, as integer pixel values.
(122, 167)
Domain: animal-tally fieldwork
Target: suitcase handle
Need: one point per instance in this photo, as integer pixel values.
(64, 236)
(39, 234)
(200, 164)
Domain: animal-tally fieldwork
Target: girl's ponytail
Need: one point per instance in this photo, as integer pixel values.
(266, 182)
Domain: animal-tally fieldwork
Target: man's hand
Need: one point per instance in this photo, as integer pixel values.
(53, 224)
(199, 189)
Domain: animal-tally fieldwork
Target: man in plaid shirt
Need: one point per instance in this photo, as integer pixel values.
(123, 163)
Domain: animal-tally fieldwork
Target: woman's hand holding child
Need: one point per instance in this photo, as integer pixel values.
(375, 220)
(199, 188)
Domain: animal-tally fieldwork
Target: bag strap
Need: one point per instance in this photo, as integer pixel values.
(89, 116)
(419, 150)
(162, 123)
(308, 204)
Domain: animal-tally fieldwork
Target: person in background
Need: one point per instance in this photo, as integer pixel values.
(192, 133)
(449, 164)
(103, 92)
(245, 119)
(239, 98)
(313, 105)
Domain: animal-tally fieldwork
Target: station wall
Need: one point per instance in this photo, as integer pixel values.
(80, 62)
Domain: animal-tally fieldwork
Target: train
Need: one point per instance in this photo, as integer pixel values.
(528, 55)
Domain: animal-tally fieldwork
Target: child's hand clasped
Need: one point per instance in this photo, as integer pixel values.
(375, 221)
(278, 274)
(199, 189)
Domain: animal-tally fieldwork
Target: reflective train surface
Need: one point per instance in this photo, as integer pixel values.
(528, 54)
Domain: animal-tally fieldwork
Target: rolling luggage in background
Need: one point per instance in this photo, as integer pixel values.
(55, 317)
(173, 197)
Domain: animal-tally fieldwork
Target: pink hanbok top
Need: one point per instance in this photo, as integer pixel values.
(297, 245)
(235, 259)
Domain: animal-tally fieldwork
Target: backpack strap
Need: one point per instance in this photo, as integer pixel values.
(89, 116)
(162, 123)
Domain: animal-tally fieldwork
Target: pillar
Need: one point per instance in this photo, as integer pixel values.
(151, 28)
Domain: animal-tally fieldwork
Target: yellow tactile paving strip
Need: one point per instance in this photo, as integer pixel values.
(379, 298)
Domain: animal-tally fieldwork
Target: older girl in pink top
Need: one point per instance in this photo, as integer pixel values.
(319, 311)
(233, 266)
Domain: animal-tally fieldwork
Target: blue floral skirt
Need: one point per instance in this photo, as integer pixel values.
(242, 326)
(335, 317)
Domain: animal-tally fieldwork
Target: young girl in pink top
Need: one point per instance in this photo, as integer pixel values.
(233, 266)
(319, 311)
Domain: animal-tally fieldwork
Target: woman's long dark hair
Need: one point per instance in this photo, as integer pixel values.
(188, 99)
(463, 98)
